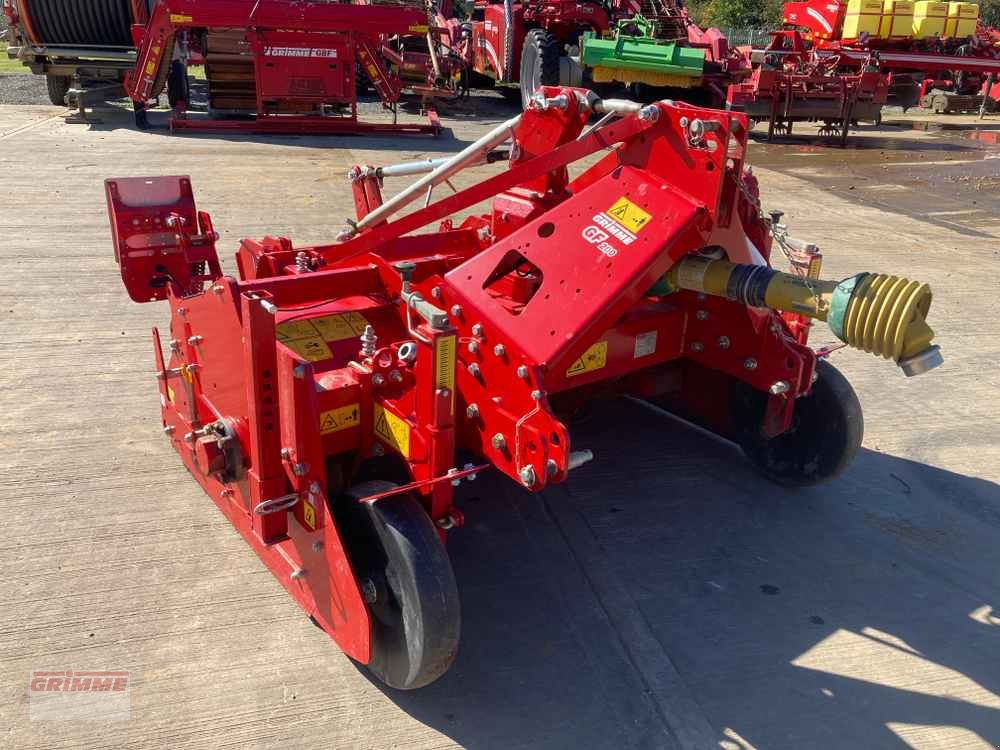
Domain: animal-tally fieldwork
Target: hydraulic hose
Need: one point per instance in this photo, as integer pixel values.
(877, 313)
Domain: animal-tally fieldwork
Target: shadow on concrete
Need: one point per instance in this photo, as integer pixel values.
(808, 619)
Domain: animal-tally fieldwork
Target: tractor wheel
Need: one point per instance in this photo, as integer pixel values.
(539, 63)
(410, 587)
(58, 87)
(827, 427)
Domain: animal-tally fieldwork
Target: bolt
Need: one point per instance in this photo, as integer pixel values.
(181, 311)
(454, 482)
(378, 450)
(499, 441)
(188, 437)
(782, 386)
(697, 346)
(684, 122)
(443, 393)
(750, 363)
(169, 429)
(300, 470)
(314, 488)
(702, 296)
(175, 345)
(298, 573)
(472, 411)
(368, 342)
(522, 372)
(723, 342)
(456, 310)
(317, 545)
(527, 475)
(650, 113)
(551, 467)
(499, 350)
(395, 376)
(226, 492)
(378, 378)
(477, 330)
(474, 369)
(299, 372)
(368, 591)
(286, 454)
(436, 292)
(218, 288)
(537, 395)
(473, 347)
(701, 315)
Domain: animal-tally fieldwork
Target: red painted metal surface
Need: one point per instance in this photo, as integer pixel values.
(281, 386)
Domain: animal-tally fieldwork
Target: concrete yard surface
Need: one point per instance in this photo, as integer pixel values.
(665, 597)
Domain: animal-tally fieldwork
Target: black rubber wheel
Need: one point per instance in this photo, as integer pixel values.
(539, 63)
(397, 554)
(826, 432)
(58, 87)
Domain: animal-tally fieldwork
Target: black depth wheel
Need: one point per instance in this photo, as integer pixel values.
(416, 616)
(539, 63)
(827, 427)
(58, 87)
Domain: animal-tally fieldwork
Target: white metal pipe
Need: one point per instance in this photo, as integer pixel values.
(464, 158)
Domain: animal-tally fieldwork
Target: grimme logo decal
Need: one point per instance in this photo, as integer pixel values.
(75, 695)
(614, 228)
(596, 236)
(299, 52)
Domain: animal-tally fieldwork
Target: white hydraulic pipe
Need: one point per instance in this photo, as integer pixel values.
(452, 165)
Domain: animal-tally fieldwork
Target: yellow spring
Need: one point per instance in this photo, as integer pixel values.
(880, 311)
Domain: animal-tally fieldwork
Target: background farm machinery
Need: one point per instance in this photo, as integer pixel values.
(330, 397)
(520, 46)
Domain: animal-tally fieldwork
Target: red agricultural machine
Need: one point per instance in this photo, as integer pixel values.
(300, 74)
(520, 46)
(323, 396)
(937, 53)
(278, 66)
(793, 83)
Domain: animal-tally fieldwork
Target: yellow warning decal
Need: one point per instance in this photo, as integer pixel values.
(418, 29)
(341, 418)
(312, 349)
(309, 515)
(170, 394)
(444, 363)
(393, 430)
(178, 18)
(150, 68)
(629, 215)
(309, 338)
(594, 358)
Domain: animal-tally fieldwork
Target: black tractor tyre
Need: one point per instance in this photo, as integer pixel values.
(826, 431)
(58, 87)
(539, 63)
(396, 552)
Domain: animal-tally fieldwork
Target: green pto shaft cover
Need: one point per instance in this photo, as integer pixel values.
(838, 304)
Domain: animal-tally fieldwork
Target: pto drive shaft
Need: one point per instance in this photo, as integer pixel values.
(877, 313)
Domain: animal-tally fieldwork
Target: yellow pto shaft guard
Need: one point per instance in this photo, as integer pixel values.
(877, 313)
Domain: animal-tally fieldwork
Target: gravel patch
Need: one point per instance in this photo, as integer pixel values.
(22, 88)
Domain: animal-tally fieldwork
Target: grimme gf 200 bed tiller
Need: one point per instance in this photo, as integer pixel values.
(322, 397)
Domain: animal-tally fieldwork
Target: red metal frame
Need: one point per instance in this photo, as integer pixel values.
(304, 57)
(279, 385)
